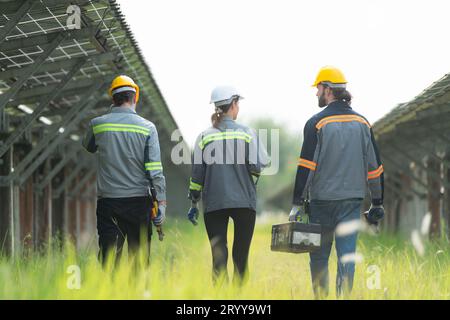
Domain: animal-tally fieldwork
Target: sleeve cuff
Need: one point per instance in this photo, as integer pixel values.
(377, 202)
(161, 197)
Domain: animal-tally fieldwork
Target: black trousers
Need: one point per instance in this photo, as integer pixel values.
(123, 218)
(216, 223)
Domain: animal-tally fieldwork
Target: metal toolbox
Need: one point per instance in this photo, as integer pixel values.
(296, 237)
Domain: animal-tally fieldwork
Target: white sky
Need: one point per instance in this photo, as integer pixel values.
(271, 51)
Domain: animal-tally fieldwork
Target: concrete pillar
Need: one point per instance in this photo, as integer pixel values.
(58, 206)
(43, 207)
(434, 192)
(26, 216)
(447, 195)
(6, 206)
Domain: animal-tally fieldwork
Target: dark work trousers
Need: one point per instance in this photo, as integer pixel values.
(123, 218)
(216, 223)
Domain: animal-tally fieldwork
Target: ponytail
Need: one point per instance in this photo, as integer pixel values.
(217, 116)
(342, 94)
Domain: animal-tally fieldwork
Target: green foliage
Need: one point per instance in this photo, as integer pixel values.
(289, 150)
(181, 269)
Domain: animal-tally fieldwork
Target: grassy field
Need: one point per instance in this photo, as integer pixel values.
(181, 269)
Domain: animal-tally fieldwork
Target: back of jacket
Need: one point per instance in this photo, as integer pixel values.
(226, 160)
(128, 154)
(339, 157)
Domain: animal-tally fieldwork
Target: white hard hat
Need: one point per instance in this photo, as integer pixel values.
(223, 95)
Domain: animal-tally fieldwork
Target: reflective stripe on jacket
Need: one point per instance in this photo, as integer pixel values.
(339, 157)
(225, 163)
(128, 154)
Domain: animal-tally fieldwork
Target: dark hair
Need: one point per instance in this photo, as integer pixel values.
(123, 97)
(342, 94)
(217, 116)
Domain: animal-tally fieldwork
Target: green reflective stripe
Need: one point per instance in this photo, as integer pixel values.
(151, 166)
(219, 134)
(106, 129)
(152, 163)
(225, 136)
(195, 186)
(226, 133)
(154, 168)
(121, 125)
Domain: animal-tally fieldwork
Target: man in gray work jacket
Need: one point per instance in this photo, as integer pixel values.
(339, 158)
(129, 162)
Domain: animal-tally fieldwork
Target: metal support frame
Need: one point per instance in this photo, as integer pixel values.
(82, 182)
(422, 166)
(68, 123)
(49, 177)
(4, 98)
(55, 66)
(405, 171)
(37, 112)
(74, 88)
(40, 40)
(52, 146)
(394, 190)
(88, 193)
(439, 135)
(399, 181)
(420, 129)
(68, 180)
(429, 151)
(4, 121)
(11, 24)
(11, 7)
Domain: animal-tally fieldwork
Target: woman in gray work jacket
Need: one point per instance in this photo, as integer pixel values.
(226, 161)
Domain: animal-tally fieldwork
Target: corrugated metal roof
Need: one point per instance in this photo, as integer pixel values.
(435, 95)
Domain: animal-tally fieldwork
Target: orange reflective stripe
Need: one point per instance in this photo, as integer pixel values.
(307, 164)
(312, 163)
(341, 118)
(376, 173)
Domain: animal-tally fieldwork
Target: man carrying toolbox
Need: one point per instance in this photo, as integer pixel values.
(339, 158)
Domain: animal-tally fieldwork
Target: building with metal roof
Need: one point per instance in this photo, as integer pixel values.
(57, 59)
(414, 140)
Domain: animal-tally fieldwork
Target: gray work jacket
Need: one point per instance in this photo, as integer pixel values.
(339, 158)
(128, 154)
(226, 162)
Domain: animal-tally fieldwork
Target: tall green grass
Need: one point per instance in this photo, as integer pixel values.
(180, 268)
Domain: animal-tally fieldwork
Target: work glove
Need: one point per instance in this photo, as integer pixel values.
(298, 214)
(161, 216)
(375, 214)
(193, 213)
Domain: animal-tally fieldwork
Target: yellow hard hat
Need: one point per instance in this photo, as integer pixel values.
(332, 76)
(124, 83)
